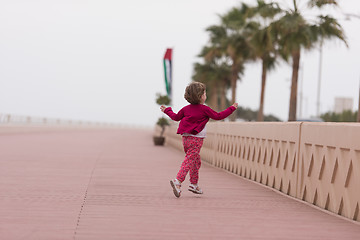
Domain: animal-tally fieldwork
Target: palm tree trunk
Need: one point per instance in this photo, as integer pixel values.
(216, 98)
(260, 116)
(223, 96)
(294, 81)
(234, 78)
(213, 99)
(295, 5)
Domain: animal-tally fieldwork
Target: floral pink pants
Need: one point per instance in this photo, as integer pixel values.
(192, 162)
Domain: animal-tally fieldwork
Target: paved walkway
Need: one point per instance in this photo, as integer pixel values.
(114, 184)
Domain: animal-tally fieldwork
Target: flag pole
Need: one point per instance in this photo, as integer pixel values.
(358, 113)
(168, 72)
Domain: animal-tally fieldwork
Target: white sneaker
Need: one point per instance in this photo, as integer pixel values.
(176, 185)
(195, 189)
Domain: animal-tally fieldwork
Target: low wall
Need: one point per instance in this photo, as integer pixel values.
(315, 162)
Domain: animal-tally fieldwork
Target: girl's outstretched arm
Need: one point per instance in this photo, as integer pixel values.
(221, 115)
(168, 111)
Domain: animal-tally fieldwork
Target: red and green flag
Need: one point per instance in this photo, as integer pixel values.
(168, 71)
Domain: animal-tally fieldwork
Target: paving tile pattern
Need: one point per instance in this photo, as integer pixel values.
(114, 184)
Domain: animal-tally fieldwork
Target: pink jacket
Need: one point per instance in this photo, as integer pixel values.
(195, 116)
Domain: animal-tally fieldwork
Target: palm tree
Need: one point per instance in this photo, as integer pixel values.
(215, 73)
(205, 73)
(216, 54)
(264, 45)
(231, 41)
(239, 31)
(295, 33)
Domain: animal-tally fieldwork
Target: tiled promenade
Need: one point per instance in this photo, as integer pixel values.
(114, 184)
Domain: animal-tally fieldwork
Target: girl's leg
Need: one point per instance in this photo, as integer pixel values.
(192, 146)
(195, 161)
(185, 166)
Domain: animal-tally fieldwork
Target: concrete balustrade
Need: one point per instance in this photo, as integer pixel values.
(315, 162)
(330, 167)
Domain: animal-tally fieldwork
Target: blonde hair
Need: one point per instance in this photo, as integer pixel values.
(194, 91)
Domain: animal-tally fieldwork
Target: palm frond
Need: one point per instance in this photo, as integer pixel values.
(329, 27)
(322, 3)
(217, 33)
(265, 10)
(236, 18)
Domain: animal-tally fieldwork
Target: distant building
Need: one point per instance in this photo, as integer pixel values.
(342, 104)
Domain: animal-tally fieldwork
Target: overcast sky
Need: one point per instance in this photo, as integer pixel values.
(102, 60)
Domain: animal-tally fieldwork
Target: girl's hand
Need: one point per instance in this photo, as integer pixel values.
(162, 108)
(235, 105)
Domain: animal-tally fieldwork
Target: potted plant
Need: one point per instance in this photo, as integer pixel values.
(162, 121)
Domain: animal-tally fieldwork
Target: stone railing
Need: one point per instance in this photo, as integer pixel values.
(315, 162)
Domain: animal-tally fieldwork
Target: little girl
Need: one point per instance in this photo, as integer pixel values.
(193, 119)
